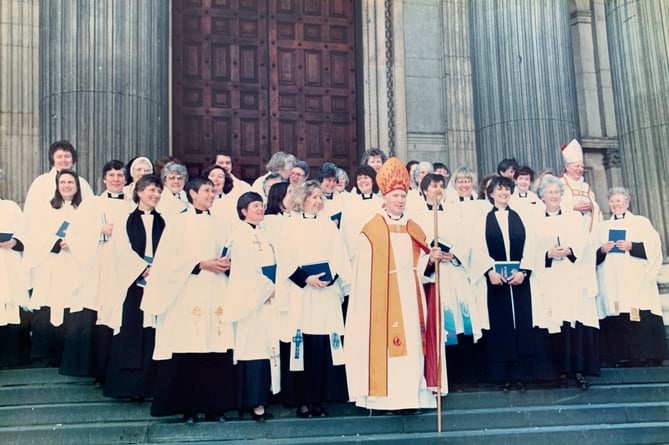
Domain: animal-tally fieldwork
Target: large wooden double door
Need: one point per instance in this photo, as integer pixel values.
(253, 77)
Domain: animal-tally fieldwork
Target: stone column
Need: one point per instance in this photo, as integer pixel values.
(638, 44)
(104, 79)
(459, 102)
(523, 78)
(19, 115)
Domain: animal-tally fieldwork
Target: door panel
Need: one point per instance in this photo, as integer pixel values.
(252, 77)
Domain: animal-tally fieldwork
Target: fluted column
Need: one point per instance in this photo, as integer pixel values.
(459, 103)
(638, 44)
(104, 79)
(19, 115)
(523, 78)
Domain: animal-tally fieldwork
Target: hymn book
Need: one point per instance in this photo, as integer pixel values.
(617, 235)
(507, 268)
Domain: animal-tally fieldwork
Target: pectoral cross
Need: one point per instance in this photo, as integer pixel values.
(273, 358)
(258, 243)
(298, 341)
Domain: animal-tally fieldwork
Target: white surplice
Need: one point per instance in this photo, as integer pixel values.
(189, 307)
(13, 280)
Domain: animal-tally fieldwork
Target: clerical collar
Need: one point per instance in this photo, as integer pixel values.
(329, 196)
(394, 218)
(308, 215)
(462, 198)
(115, 196)
(431, 206)
(559, 212)
(619, 217)
(365, 197)
(147, 212)
(219, 196)
(199, 212)
(253, 226)
(495, 209)
(522, 195)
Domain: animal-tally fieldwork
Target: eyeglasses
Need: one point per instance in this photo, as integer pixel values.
(175, 177)
(463, 181)
(297, 174)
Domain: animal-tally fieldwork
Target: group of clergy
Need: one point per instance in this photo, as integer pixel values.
(211, 296)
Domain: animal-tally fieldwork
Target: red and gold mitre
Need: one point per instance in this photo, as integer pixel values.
(392, 175)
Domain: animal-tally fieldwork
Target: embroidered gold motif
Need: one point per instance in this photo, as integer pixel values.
(219, 313)
(197, 313)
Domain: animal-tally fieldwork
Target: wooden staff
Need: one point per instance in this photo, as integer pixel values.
(437, 309)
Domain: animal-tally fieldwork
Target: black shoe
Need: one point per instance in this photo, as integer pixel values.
(563, 382)
(506, 387)
(190, 418)
(582, 383)
(303, 412)
(318, 411)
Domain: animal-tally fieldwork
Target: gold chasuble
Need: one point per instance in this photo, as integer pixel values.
(387, 337)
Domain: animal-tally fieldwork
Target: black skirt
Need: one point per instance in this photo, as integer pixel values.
(624, 342)
(193, 383)
(15, 342)
(253, 381)
(86, 345)
(320, 381)
(576, 349)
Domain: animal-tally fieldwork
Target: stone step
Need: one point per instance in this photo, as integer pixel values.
(387, 429)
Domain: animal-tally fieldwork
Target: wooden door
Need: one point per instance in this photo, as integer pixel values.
(253, 77)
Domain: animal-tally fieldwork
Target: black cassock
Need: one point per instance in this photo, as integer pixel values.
(131, 370)
(515, 350)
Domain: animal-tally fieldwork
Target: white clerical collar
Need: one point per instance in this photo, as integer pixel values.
(394, 218)
(558, 212)
(616, 217)
(309, 215)
(522, 195)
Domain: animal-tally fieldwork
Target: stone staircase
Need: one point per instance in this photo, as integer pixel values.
(623, 406)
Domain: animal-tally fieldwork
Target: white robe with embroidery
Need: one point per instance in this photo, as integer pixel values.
(407, 387)
(189, 307)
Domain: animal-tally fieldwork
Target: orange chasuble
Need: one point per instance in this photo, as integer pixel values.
(386, 331)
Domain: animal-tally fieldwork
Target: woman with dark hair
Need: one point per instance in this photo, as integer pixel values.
(312, 323)
(363, 203)
(278, 199)
(130, 370)
(251, 306)
(62, 155)
(54, 273)
(224, 201)
(86, 346)
(516, 351)
(373, 157)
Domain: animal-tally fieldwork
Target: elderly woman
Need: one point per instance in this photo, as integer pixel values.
(566, 285)
(54, 274)
(415, 199)
(299, 173)
(281, 163)
(136, 168)
(315, 271)
(14, 337)
(628, 260)
(173, 200)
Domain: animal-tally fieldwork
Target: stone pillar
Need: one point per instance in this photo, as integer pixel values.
(459, 102)
(523, 78)
(104, 80)
(19, 116)
(638, 44)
